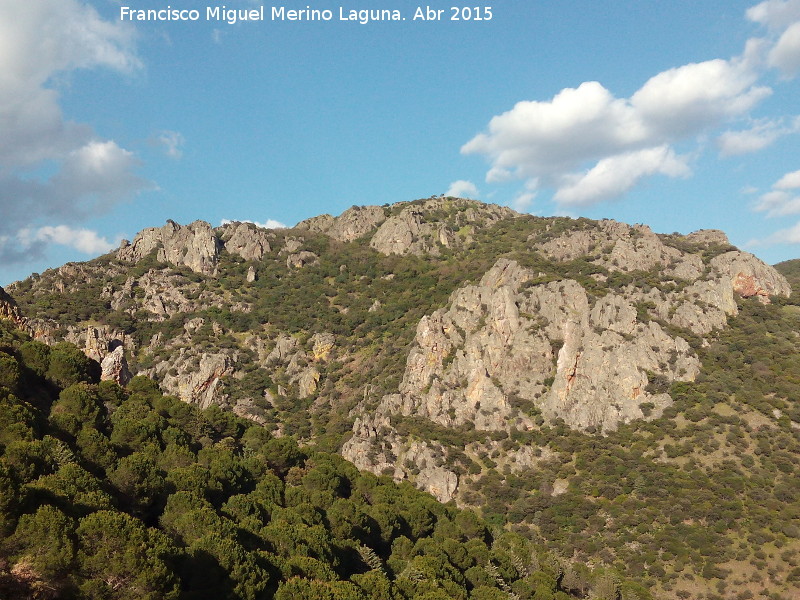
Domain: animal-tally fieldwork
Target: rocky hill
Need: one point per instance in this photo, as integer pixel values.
(560, 374)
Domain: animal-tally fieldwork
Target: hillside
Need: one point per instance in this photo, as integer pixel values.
(623, 397)
(111, 492)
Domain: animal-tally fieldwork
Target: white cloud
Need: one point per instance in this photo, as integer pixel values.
(39, 41)
(782, 18)
(611, 177)
(775, 14)
(172, 142)
(546, 137)
(687, 100)
(83, 240)
(523, 201)
(268, 224)
(576, 141)
(789, 181)
(779, 202)
(790, 235)
(761, 134)
(785, 55)
(462, 189)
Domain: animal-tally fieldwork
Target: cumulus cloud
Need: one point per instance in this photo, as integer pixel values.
(462, 189)
(611, 177)
(775, 14)
(782, 18)
(268, 224)
(576, 141)
(39, 40)
(780, 201)
(785, 55)
(83, 240)
(589, 145)
(761, 134)
(789, 181)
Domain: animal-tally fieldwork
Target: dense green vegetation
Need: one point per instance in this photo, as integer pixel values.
(108, 492)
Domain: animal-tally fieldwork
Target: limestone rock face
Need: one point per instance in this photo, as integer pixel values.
(423, 228)
(194, 245)
(318, 224)
(300, 365)
(407, 233)
(322, 345)
(298, 260)
(307, 381)
(164, 295)
(97, 341)
(708, 237)
(285, 348)
(245, 239)
(542, 345)
(197, 378)
(352, 224)
(9, 310)
(376, 448)
(101, 343)
(114, 367)
(512, 347)
(624, 248)
(750, 276)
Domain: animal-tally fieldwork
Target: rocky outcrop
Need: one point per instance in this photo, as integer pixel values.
(246, 240)
(298, 260)
(426, 227)
(620, 247)
(10, 311)
(322, 344)
(318, 224)
(114, 367)
(196, 377)
(508, 349)
(301, 365)
(420, 227)
(197, 245)
(105, 345)
(751, 277)
(354, 223)
(707, 237)
(161, 294)
(96, 340)
(296, 257)
(194, 245)
(408, 233)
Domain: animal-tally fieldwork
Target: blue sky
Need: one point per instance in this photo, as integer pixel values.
(681, 115)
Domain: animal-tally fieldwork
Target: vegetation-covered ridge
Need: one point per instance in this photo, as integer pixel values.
(687, 479)
(111, 492)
